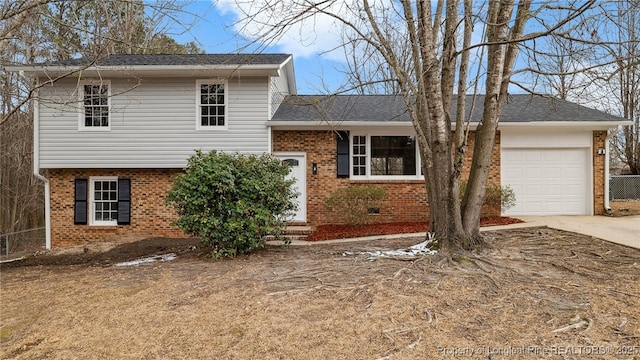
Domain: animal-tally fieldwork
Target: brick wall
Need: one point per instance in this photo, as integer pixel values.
(406, 200)
(149, 216)
(599, 138)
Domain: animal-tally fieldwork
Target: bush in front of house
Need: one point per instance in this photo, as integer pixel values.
(496, 198)
(231, 201)
(354, 203)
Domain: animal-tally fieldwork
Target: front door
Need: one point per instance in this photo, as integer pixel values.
(297, 163)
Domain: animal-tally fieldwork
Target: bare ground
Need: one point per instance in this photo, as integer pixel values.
(534, 293)
(624, 208)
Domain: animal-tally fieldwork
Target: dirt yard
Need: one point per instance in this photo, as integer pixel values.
(535, 293)
(624, 208)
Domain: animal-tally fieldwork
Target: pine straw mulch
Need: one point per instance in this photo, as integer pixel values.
(341, 231)
(533, 293)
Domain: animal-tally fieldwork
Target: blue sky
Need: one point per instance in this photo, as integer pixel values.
(214, 33)
(313, 43)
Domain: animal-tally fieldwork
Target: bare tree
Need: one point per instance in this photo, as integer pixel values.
(35, 31)
(626, 52)
(601, 70)
(438, 51)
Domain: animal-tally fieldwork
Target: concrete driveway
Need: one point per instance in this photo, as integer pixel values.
(622, 230)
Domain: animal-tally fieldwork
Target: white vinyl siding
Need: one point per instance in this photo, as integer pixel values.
(152, 124)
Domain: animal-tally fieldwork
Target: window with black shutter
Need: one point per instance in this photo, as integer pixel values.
(80, 202)
(342, 155)
(124, 201)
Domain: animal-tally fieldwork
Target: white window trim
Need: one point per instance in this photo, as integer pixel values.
(92, 215)
(418, 176)
(81, 119)
(199, 108)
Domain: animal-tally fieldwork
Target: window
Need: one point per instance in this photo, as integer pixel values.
(393, 155)
(94, 113)
(212, 105)
(384, 156)
(359, 155)
(104, 201)
(109, 201)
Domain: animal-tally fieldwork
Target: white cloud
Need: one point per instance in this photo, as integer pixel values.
(314, 35)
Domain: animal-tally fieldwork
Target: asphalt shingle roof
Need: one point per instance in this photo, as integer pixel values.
(179, 59)
(520, 108)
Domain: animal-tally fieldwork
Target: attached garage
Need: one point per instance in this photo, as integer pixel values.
(550, 172)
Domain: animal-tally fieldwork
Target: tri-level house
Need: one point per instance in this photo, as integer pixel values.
(110, 136)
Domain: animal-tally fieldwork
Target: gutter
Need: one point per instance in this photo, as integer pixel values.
(36, 170)
(615, 132)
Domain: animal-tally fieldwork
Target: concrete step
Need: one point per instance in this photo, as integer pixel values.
(294, 232)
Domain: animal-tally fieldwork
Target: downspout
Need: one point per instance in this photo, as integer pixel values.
(615, 132)
(36, 170)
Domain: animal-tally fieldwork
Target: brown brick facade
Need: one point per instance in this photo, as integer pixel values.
(406, 200)
(149, 216)
(599, 137)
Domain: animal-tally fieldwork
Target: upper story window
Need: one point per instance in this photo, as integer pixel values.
(96, 99)
(384, 156)
(211, 105)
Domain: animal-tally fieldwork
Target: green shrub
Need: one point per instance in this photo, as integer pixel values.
(496, 198)
(232, 201)
(354, 202)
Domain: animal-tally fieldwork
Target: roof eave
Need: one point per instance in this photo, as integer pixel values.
(318, 124)
(593, 125)
(321, 124)
(227, 69)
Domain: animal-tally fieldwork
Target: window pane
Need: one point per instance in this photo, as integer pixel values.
(211, 97)
(96, 105)
(393, 155)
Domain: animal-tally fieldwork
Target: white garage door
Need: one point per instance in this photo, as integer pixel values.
(547, 181)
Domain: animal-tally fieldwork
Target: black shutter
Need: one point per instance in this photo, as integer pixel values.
(124, 201)
(80, 199)
(342, 156)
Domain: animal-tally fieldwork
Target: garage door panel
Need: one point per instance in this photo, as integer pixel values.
(551, 206)
(533, 190)
(573, 190)
(533, 156)
(533, 173)
(553, 190)
(554, 173)
(548, 181)
(511, 156)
